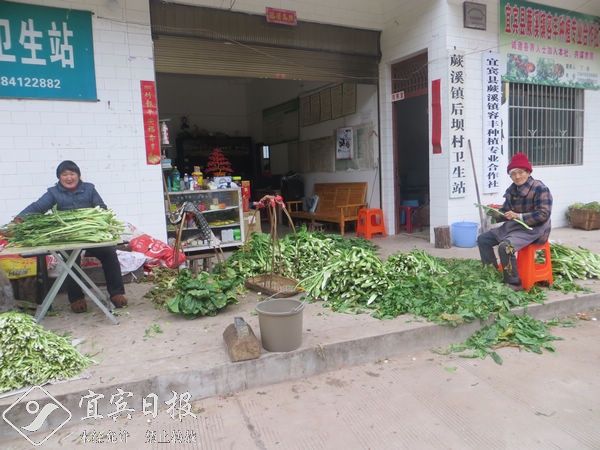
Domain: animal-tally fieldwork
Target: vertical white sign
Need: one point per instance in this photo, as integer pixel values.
(457, 145)
(492, 123)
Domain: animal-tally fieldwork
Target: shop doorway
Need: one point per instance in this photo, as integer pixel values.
(411, 137)
(222, 69)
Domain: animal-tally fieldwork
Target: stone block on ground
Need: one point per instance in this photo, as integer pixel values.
(242, 344)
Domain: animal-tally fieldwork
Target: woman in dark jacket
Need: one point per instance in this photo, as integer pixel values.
(70, 192)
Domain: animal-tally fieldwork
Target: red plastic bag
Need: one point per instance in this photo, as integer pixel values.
(155, 249)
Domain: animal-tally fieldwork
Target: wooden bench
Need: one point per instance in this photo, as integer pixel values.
(338, 203)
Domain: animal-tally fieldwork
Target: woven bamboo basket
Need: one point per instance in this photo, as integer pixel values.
(273, 284)
(585, 219)
(276, 286)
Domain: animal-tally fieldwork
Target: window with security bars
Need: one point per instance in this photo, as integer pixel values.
(546, 123)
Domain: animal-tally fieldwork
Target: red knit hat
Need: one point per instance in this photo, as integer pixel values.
(520, 161)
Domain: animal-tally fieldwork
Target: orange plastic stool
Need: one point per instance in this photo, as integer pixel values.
(531, 272)
(370, 222)
(412, 217)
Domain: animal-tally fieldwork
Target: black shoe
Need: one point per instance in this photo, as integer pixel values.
(516, 287)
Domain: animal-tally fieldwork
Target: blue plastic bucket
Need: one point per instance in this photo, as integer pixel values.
(464, 234)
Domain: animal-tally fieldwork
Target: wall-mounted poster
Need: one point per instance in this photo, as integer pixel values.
(344, 143)
(540, 44)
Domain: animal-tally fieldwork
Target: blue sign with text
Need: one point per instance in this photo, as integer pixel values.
(46, 53)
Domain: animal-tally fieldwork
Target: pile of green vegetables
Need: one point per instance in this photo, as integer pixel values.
(86, 225)
(164, 282)
(203, 294)
(349, 276)
(183, 292)
(31, 355)
(508, 330)
(574, 263)
(592, 206)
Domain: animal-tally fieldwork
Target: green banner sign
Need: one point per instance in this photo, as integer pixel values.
(544, 45)
(46, 53)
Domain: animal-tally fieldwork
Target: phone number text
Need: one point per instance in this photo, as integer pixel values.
(31, 82)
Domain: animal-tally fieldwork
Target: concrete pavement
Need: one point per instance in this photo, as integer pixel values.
(355, 381)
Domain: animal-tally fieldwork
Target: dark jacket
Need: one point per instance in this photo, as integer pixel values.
(533, 201)
(84, 196)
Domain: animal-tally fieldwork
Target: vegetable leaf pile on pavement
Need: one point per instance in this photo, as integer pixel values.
(32, 355)
(202, 294)
(164, 280)
(512, 330)
(348, 276)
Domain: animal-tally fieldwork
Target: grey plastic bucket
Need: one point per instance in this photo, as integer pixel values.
(280, 322)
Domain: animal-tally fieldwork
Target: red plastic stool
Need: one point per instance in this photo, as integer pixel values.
(531, 272)
(412, 217)
(370, 222)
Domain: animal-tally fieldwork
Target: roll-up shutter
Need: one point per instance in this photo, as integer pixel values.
(204, 41)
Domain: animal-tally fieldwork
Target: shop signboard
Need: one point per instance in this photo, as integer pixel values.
(46, 53)
(540, 44)
(281, 16)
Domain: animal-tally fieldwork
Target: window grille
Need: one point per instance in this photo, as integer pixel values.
(546, 123)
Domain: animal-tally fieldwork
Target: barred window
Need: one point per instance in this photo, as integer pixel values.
(546, 123)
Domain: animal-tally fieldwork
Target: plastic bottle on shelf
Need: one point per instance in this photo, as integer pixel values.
(186, 181)
(200, 179)
(175, 180)
(164, 133)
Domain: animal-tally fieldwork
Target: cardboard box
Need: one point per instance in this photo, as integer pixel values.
(251, 224)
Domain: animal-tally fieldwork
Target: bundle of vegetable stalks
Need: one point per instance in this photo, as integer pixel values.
(86, 225)
(32, 355)
(574, 263)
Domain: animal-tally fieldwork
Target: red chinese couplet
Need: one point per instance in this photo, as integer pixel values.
(151, 128)
(436, 117)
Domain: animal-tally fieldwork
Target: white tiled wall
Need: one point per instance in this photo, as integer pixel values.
(105, 137)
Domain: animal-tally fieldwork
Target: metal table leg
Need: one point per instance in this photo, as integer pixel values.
(67, 263)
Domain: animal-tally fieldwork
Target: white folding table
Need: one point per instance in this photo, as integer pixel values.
(66, 255)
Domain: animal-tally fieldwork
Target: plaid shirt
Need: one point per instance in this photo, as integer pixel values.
(533, 200)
